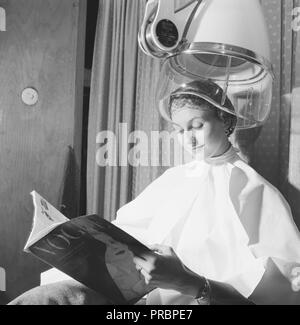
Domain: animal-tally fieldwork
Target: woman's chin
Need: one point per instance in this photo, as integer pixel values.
(196, 154)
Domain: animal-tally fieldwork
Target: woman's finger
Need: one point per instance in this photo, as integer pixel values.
(146, 276)
(147, 265)
(162, 249)
(146, 256)
(138, 261)
(138, 267)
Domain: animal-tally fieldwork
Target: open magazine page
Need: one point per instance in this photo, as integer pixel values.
(96, 253)
(45, 219)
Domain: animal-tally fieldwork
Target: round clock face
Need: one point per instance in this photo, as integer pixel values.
(167, 33)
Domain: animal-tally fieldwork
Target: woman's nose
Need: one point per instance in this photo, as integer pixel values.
(190, 138)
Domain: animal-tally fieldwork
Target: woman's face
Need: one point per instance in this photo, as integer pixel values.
(200, 131)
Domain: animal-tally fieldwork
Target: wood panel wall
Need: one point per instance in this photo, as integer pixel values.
(40, 146)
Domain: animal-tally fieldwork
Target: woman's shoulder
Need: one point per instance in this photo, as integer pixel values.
(170, 178)
(247, 174)
(175, 171)
(166, 179)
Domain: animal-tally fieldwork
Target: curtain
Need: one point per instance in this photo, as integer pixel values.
(124, 83)
(276, 153)
(113, 101)
(290, 100)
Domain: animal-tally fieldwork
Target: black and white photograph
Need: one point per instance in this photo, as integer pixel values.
(150, 155)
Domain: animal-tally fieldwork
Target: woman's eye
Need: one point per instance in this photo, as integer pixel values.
(197, 125)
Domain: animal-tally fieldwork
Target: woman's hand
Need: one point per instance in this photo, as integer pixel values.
(162, 268)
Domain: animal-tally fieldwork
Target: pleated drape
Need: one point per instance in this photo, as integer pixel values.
(113, 101)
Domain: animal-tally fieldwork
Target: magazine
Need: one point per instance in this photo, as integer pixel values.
(89, 249)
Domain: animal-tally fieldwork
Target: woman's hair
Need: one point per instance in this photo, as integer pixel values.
(179, 101)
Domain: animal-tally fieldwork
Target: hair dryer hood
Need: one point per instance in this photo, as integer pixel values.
(238, 23)
(227, 43)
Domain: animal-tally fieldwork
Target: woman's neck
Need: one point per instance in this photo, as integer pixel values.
(229, 154)
(225, 148)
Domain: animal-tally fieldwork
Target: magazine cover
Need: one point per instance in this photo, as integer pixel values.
(90, 250)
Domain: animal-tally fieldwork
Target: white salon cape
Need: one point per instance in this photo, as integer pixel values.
(223, 220)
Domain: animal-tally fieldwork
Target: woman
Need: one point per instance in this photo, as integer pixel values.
(222, 234)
